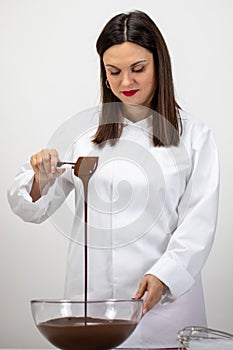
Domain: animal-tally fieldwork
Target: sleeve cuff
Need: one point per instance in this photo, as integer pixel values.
(173, 275)
(21, 202)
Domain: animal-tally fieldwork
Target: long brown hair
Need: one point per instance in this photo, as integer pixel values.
(137, 27)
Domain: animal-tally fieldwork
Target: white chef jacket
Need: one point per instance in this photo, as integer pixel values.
(151, 210)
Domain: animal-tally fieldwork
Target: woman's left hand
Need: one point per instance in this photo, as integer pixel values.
(154, 288)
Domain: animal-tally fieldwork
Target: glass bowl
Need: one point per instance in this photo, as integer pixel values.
(201, 338)
(96, 325)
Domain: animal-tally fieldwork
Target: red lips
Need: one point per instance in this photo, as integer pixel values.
(129, 92)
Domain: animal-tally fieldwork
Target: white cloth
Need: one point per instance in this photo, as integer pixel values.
(150, 210)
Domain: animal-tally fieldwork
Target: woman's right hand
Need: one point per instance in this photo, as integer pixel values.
(44, 165)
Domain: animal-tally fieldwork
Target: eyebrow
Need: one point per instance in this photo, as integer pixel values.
(132, 65)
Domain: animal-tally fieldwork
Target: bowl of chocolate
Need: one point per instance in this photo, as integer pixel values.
(90, 325)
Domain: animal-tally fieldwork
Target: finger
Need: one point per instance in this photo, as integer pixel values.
(43, 175)
(53, 162)
(46, 162)
(154, 294)
(33, 162)
(40, 164)
(141, 290)
(150, 300)
(61, 171)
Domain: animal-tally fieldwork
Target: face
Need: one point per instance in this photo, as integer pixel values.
(130, 73)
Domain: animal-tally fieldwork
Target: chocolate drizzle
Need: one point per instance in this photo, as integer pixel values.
(84, 168)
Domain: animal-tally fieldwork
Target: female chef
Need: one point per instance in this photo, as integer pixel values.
(153, 198)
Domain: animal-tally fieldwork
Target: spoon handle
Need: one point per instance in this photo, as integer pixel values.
(59, 164)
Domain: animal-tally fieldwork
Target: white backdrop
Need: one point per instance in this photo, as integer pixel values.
(48, 72)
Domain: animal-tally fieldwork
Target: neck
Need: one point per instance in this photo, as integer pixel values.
(135, 113)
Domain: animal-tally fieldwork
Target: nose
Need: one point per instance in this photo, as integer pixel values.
(127, 79)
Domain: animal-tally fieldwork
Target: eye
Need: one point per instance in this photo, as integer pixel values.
(139, 70)
(115, 73)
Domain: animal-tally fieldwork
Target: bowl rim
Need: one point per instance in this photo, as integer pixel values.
(76, 301)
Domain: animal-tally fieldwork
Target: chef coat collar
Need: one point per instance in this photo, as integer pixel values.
(145, 123)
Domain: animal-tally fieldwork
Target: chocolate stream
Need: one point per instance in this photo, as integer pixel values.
(84, 168)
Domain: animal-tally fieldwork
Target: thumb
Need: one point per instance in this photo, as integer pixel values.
(61, 171)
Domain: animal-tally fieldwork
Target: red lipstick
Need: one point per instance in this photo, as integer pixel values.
(129, 92)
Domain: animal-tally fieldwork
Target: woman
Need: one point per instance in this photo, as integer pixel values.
(153, 199)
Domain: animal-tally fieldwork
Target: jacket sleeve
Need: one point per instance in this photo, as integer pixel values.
(191, 242)
(21, 202)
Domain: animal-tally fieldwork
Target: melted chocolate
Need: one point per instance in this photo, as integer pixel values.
(86, 333)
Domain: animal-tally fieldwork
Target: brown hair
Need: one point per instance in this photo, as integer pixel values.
(137, 27)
